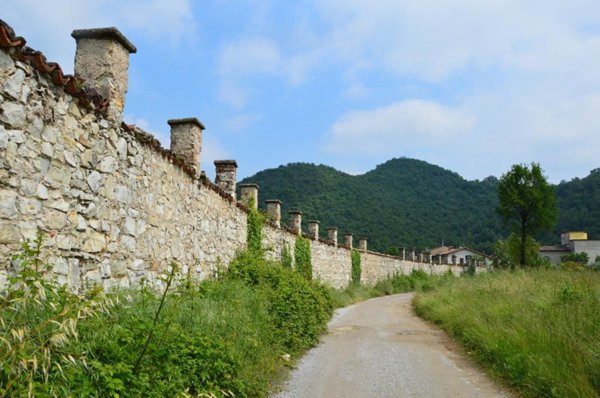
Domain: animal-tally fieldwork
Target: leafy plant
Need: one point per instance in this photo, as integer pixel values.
(302, 257)
(286, 257)
(256, 221)
(356, 267)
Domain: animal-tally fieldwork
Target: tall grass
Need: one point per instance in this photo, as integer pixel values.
(539, 330)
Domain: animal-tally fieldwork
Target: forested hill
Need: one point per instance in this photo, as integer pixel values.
(407, 202)
(403, 202)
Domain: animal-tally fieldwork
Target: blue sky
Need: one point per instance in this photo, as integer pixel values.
(471, 85)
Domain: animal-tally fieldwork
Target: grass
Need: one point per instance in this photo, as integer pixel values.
(538, 330)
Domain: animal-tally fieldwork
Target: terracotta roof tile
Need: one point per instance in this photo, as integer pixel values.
(16, 48)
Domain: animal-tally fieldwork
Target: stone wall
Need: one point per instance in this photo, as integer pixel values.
(115, 208)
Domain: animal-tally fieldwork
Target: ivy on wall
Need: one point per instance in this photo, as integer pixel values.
(356, 267)
(302, 257)
(286, 256)
(255, 226)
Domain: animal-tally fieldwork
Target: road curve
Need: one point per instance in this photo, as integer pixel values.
(379, 348)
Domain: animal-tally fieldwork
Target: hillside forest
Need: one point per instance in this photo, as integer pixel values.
(411, 203)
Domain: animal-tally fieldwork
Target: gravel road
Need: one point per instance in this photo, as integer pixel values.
(379, 348)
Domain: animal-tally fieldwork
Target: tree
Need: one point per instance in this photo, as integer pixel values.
(527, 204)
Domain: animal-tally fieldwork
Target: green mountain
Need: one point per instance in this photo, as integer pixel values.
(411, 203)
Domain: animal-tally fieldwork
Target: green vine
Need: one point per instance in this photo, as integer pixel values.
(255, 227)
(356, 267)
(302, 257)
(286, 256)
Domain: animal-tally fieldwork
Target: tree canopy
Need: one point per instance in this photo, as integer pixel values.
(527, 203)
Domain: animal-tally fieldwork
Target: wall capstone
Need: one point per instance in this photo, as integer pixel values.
(296, 222)
(102, 60)
(226, 176)
(248, 192)
(274, 211)
(332, 233)
(348, 240)
(313, 229)
(362, 244)
(186, 141)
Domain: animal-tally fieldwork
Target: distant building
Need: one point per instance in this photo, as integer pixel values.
(572, 242)
(457, 255)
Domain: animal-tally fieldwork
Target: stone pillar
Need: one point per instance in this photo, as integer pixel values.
(274, 211)
(226, 176)
(249, 192)
(313, 229)
(102, 60)
(186, 141)
(332, 234)
(402, 253)
(348, 240)
(296, 222)
(362, 244)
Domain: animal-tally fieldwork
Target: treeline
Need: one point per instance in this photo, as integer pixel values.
(407, 202)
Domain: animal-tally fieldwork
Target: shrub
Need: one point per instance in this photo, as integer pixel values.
(255, 226)
(286, 257)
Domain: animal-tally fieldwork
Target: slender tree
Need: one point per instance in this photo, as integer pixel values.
(527, 203)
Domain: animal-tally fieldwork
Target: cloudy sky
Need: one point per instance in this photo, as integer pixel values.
(473, 86)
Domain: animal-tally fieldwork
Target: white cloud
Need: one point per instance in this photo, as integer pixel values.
(403, 124)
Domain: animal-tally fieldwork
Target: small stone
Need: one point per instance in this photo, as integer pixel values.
(122, 148)
(70, 159)
(132, 213)
(89, 159)
(128, 243)
(6, 62)
(28, 187)
(59, 175)
(3, 138)
(8, 204)
(59, 205)
(13, 85)
(93, 278)
(47, 150)
(54, 219)
(122, 194)
(130, 226)
(9, 233)
(29, 206)
(50, 134)
(118, 269)
(42, 192)
(94, 242)
(94, 181)
(107, 165)
(11, 153)
(13, 114)
(81, 224)
(16, 136)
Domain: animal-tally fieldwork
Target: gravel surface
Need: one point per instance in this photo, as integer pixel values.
(379, 348)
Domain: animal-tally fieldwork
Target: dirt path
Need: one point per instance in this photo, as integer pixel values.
(379, 348)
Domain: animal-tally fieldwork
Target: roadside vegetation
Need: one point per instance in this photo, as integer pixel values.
(537, 329)
(220, 338)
